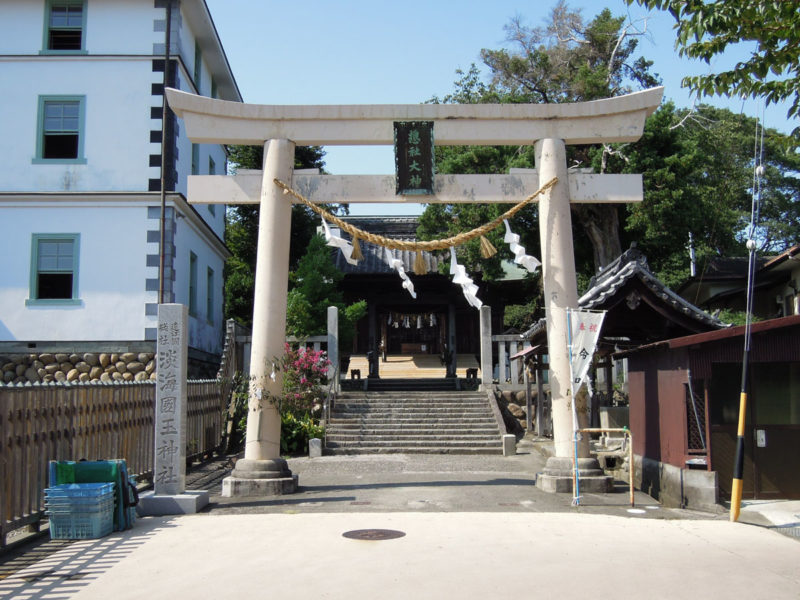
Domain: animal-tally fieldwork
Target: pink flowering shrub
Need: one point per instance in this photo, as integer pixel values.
(305, 375)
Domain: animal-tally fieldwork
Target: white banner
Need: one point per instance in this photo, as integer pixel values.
(584, 332)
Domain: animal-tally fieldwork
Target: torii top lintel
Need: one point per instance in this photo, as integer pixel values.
(212, 121)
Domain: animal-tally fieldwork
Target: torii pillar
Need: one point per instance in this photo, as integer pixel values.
(549, 127)
(262, 471)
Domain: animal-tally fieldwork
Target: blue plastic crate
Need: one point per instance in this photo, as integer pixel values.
(81, 525)
(65, 507)
(79, 490)
(79, 503)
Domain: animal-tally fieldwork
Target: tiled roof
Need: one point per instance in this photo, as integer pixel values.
(402, 228)
(632, 264)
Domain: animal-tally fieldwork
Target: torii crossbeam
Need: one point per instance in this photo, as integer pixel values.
(279, 128)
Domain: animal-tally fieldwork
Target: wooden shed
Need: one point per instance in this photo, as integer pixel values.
(684, 403)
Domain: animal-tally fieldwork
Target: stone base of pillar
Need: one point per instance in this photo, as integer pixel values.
(187, 503)
(270, 477)
(559, 471)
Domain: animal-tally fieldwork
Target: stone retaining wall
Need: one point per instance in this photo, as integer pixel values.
(87, 367)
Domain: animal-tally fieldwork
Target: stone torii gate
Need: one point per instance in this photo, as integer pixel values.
(280, 128)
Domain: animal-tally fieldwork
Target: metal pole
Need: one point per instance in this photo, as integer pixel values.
(738, 465)
(164, 111)
(528, 402)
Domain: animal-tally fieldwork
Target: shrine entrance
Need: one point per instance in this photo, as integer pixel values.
(549, 128)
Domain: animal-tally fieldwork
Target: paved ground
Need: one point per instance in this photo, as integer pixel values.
(472, 527)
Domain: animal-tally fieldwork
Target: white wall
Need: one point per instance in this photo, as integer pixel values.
(103, 31)
(116, 142)
(111, 273)
(204, 333)
(115, 77)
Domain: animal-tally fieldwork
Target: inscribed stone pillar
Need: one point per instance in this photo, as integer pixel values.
(560, 287)
(262, 462)
(169, 472)
(169, 495)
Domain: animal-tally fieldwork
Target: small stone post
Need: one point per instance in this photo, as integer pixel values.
(451, 341)
(486, 346)
(333, 346)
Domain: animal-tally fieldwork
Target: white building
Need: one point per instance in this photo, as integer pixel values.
(81, 132)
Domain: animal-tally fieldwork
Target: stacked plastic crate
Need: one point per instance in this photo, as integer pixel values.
(80, 511)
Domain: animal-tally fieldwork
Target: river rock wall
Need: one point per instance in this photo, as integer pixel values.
(87, 367)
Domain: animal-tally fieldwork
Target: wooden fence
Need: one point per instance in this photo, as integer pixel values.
(91, 421)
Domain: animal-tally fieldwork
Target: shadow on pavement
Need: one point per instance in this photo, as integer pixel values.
(49, 569)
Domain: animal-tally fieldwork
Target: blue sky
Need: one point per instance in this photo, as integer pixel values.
(379, 52)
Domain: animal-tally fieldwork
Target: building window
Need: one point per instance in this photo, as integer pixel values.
(54, 268)
(195, 159)
(65, 25)
(210, 295)
(198, 66)
(214, 90)
(60, 129)
(192, 284)
(212, 170)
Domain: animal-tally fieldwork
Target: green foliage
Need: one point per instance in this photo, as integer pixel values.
(305, 374)
(241, 231)
(348, 319)
(568, 60)
(705, 30)
(236, 416)
(736, 317)
(314, 288)
(316, 279)
(521, 316)
(697, 169)
(297, 431)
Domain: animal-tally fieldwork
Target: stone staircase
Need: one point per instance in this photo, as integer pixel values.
(430, 422)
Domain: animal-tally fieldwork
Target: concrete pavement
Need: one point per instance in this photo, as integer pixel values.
(473, 527)
(441, 555)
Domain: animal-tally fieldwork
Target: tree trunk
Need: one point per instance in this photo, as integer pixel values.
(601, 224)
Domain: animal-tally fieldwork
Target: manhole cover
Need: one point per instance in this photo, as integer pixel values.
(373, 535)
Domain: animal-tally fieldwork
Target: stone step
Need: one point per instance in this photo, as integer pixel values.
(410, 394)
(377, 404)
(434, 422)
(414, 440)
(419, 412)
(378, 393)
(422, 426)
(349, 425)
(425, 443)
(410, 450)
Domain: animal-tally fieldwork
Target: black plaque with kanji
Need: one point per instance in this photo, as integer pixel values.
(413, 157)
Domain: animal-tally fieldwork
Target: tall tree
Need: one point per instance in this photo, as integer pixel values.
(698, 177)
(705, 30)
(567, 60)
(315, 287)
